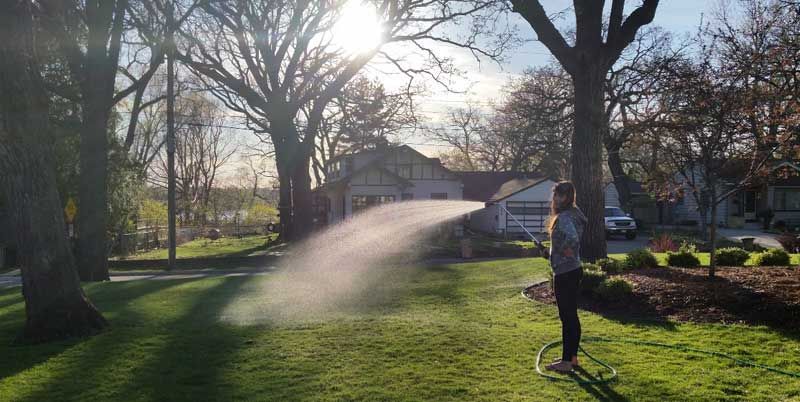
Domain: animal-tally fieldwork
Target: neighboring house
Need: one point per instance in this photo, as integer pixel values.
(779, 192)
(358, 181)
(525, 196)
(643, 206)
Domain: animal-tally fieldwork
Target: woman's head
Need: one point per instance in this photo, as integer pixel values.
(562, 200)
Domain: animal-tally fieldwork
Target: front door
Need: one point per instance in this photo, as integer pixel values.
(750, 205)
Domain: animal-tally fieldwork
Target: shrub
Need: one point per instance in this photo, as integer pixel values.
(732, 257)
(586, 266)
(591, 280)
(610, 266)
(613, 289)
(641, 258)
(772, 257)
(780, 225)
(663, 243)
(789, 242)
(683, 259)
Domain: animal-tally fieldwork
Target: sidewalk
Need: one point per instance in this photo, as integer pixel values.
(13, 279)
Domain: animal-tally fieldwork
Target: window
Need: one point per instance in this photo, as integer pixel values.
(362, 202)
(786, 199)
(438, 196)
(405, 171)
(348, 165)
(407, 197)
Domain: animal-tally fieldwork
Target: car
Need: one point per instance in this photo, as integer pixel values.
(618, 222)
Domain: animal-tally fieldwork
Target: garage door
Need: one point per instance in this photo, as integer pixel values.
(532, 214)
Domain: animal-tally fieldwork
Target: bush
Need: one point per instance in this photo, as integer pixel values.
(613, 289)
(732, 257)
(641, 258)
(683, 259)
(789, 242)
(663, 244)
(586, 266)
(772, 257)
(591, 280)
(610, 266)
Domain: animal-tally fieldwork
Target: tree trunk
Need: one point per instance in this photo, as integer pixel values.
(55, 304)
(586, 160)
(92, 193)
(621, 179)
(302, 204)
(712, 267)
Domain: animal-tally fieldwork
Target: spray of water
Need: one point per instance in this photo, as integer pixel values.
(341, 264)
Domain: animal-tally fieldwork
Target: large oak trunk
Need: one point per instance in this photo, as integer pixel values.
(587, 161)
(55, 304)
(92, 246)
(303, 219)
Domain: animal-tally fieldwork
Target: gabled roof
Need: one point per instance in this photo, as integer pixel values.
(496, 186)
(375, 164)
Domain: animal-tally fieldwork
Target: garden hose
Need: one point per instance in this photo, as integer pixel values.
(613, 371)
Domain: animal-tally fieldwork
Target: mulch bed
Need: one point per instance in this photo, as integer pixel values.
(765, 295)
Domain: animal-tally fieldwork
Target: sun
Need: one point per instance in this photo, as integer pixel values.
(359, 28)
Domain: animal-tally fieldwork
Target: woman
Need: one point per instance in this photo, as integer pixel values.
(566, 227)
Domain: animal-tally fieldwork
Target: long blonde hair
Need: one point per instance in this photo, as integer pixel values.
(566, 190)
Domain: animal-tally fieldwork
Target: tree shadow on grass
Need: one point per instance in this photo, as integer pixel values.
(20, 357)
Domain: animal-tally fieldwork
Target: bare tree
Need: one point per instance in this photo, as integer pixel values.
(363, 116)
(202, 148)
(709, 137)
(55, 305)
(277, 63)
(463, 131)
(631, 86)
(588, 61)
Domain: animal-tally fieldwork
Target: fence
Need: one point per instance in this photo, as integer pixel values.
(147, 238)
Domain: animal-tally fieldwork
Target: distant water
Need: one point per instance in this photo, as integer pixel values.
(341, 264)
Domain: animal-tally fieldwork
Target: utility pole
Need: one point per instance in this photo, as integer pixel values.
(171, 136)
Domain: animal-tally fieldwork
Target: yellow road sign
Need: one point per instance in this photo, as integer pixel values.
(70, 210)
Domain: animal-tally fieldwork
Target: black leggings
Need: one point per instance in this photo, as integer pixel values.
(566, 288)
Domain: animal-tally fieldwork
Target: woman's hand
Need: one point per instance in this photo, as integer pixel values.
(568, 252)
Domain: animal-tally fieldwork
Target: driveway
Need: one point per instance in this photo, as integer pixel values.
(620, 245)
(767, 240)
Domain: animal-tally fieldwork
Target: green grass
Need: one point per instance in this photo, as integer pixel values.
(205, 248)
(448, 333)
(705, 258)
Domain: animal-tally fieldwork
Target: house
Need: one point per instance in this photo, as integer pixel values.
(779, 191)
(526, 196)
(399, 173)
(643, 206)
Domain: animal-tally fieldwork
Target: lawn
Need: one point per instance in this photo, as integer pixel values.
(453, 332)
(205, 248)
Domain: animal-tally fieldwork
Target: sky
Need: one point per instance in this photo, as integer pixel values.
(484, 82)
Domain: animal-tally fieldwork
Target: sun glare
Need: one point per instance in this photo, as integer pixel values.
(359, 28)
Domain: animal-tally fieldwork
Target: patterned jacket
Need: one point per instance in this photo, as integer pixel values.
(566, 236)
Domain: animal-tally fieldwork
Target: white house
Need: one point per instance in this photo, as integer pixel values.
(778, 192)
(525, 196)
(358, 181)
